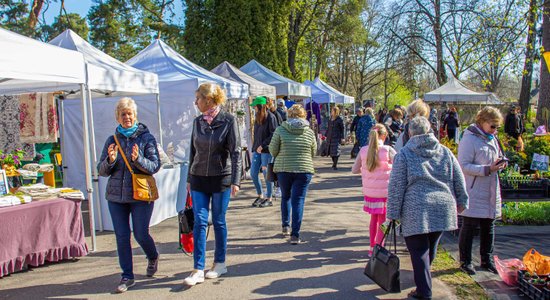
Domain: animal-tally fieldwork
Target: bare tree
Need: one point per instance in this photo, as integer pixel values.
(543, 108)
(527, 75)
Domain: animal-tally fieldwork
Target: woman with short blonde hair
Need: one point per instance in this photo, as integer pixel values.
(293, 147)
(335, 135)
(481, 158)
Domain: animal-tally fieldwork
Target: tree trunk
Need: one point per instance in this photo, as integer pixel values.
(440, 66)
(35, 12)
(525, 92)
(293, 40)
(324, 42)
(543, 108)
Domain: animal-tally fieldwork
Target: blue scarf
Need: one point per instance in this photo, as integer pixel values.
(488, 135)
(127, 132)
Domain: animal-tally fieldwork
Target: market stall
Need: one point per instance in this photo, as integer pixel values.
(106, 78)
(283, 85)
(47, 230)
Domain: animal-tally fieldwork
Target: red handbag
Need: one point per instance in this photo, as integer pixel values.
(186, 222)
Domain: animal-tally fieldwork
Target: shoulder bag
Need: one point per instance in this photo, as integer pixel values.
(383, 266)
(144, 186)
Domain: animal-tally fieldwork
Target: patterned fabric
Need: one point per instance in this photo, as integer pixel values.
(9, 127)
(210, 114)
(375, 205)
(38, 118)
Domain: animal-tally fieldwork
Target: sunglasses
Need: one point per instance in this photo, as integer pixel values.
(495, 126)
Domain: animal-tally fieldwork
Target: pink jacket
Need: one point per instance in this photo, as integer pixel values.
(375, 183)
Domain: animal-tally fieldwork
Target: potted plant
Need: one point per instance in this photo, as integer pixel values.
(11, 161)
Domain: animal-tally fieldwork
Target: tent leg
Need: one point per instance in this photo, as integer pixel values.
(88, 168)
(160, 120)
(62, 121)
(95, 176)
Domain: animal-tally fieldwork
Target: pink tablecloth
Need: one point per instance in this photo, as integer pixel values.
(38, 232)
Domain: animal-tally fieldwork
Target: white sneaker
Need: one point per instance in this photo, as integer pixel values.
(278, 193)
(197, 276)
(218, 269)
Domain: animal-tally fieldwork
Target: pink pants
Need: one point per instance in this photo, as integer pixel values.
(376, 234)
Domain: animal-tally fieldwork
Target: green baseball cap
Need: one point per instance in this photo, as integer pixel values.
(259, 100)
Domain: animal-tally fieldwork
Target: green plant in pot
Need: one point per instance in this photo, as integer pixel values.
(538, 282)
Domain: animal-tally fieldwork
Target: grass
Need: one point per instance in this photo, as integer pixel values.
(446, 269)
(526, 213)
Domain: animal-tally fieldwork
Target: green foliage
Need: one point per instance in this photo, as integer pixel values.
(198, 33)
(116, 28)
(526, 213)
(13, 158)
(14, 17)
(70, 21)
(540, 145)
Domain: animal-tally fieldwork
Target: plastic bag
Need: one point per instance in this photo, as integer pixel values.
(536, 262)
(508, 269)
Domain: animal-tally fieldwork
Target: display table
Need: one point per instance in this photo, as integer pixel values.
(172, 187)
(38, 232)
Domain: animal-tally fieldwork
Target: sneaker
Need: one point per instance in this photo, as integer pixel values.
(218, 269)
(152, 267)
(489, 267)
(197, 276)
(278, 193)
(294, 240)
(468, 268)
(266, 202)
(124, 285)
(286, 231)
(257, 202)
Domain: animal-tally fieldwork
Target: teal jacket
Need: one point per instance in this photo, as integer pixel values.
(293, 146)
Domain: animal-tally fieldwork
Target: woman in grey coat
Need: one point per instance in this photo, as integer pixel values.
(480, 157)
(425, 191)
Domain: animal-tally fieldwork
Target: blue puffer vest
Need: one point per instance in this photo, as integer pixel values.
(119, 186)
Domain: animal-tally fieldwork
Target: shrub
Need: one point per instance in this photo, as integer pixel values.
(526, 213)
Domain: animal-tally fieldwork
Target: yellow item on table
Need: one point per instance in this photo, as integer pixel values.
(49, 178)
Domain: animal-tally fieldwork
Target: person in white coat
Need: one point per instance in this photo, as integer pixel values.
(481, 157)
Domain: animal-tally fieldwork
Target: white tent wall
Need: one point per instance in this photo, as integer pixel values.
(105, 125)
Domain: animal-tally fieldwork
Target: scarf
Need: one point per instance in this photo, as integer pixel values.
(488, 135)
(127, 132)
(210, 114)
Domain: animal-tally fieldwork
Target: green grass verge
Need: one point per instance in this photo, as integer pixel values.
(446, 269)
(526, 213)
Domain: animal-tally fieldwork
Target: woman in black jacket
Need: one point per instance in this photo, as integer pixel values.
(451, 124)
(335, 135)
(214, 175)
(140, 149)
(265, 124)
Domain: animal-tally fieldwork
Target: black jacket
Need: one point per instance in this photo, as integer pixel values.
(512, 125)
(264, 132)
(216, 148)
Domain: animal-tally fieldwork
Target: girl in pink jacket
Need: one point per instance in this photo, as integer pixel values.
(374, 163)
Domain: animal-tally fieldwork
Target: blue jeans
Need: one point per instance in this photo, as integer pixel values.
(201, 204)
(293, 194)
(259, 161)
(141, 215)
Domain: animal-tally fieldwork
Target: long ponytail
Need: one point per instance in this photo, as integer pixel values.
(372, 153)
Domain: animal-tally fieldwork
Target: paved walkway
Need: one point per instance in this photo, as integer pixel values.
(262, 265)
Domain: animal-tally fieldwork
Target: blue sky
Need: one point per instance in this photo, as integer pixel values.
(82, 7)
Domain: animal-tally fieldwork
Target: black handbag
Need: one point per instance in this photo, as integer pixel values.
(271, 176)
(383, 266)
(325, 149)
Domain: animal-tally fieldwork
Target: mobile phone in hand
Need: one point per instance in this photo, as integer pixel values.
(502, 160)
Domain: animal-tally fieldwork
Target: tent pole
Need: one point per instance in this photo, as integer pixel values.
(95, 177)
(159, 118)
(62, 146)
(88, 168)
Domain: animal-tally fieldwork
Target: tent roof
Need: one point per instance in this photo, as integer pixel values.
(319, 95)
(106, 74)
(456, 91)
(161, 59)
(284, 86)
(256, 87)
(338, 96)
(30, 65)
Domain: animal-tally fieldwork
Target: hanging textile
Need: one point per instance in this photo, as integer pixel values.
(9, 127)
(38, 118)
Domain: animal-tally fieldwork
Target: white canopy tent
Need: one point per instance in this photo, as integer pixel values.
(54, 69)
(455, 91)
(256, 87)
(105, 77)
(319, 95)
(339, 97)
(283, 85)
(179, 79)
